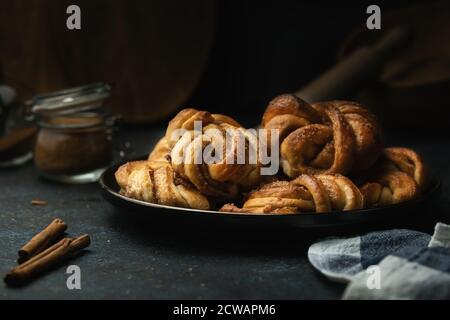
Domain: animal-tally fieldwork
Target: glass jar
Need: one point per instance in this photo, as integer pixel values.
(74, 139)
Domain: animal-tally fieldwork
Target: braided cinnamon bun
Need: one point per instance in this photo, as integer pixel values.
(230, 170)
(332, 192)
(409, 162)
(161, 152)
(399, 175)
(388, 188)
(275, 197)
(324, 138)
(156, 182)
(322, 193)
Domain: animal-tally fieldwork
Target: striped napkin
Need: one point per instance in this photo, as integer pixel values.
(392, 264)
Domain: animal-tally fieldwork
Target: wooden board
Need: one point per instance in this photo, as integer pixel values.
(153, 52)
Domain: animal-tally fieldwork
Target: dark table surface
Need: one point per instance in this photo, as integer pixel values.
(130, 258)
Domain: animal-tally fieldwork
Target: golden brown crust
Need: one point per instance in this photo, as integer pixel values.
(317, 191)
(277, 197)
(324, 138)
(332, 192)
(185, 120)
(344, 195)
(319, 149)
(409, 162)
(268, 209)
(161, 151)
(388, 188)
(156, 182)
(400, 175)
(323, 193)
(317, 143)
(222, 178)
(288, 113)
(368, 132)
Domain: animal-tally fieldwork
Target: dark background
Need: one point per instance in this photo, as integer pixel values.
(265, 48)
(260, 49)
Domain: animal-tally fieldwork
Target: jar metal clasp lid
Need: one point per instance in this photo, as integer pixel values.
(71, 101)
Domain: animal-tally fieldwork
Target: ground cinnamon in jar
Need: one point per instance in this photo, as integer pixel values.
(73, 142)
(72, 145)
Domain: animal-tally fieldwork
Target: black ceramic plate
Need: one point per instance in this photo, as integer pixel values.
(398, 212)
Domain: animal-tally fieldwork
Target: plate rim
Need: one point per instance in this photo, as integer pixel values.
(436, 185)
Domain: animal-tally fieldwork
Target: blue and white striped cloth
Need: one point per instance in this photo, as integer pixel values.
(393, 264)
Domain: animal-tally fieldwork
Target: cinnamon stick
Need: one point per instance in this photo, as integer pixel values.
(47, 259)
(38, 202)
(42, 240)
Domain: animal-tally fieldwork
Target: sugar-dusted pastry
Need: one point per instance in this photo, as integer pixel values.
(324, 138)
(409, 162)
(156, 182)
(388, 188)
(275, 197)
(192, 134)
(321, 193)
(399, 175)
(342, 193)
(161, 151)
